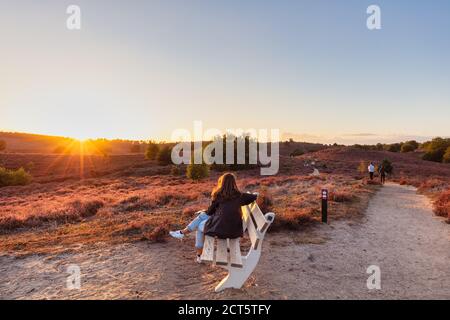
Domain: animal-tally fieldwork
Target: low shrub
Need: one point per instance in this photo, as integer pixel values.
(432, 185)
(164, 156)
(197, 171)
(152, 150)
(297, 152)
(158, 234)
(442, 204)
(341, 196)
(175, 170)
(294, 218)
(17, 177)
(387, 166)
(154, 231)
(87, 208)
(265, 200)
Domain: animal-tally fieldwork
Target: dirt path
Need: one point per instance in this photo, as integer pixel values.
(398, 233)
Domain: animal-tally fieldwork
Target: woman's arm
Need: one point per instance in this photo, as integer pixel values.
(247, 198)
(212, 208)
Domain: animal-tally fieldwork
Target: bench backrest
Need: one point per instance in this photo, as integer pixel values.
(255, 223)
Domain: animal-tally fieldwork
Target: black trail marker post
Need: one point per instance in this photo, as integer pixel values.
(324, 205)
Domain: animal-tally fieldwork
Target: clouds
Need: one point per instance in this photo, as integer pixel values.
(353, 138)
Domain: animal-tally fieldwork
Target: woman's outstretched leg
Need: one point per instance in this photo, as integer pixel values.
(198, 224)
(200, 239)
(192, 226)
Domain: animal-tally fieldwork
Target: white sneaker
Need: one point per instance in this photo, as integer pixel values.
(199, 259)
(177, 234)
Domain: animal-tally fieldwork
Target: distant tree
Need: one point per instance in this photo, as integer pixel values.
(414, 143)
(408, 147)
(394, 147)
(434, 155)
(435, 149)
(152, 150)
(446, 157)
(379, 146)
(135, 148)
(2, 145)
(438, 143)
(245, 140)
(164, 156)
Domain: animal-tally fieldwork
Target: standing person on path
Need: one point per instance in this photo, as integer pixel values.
(371, 169)
(382, 172)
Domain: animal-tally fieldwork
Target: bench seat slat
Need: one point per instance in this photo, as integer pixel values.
(235, 253)
(208, 249)
(222, 252)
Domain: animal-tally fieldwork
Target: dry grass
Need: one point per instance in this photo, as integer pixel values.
(74, 211)
(442, 205)
(437, 188)
(134, 203)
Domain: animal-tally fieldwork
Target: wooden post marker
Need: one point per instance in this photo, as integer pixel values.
(324, 205)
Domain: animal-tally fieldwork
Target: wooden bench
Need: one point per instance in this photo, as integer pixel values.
(226, 253)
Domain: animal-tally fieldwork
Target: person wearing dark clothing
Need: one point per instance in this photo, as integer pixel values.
(223, 218)
(382, 172)
(226, 216)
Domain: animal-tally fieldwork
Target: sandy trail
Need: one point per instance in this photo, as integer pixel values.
(398, 233)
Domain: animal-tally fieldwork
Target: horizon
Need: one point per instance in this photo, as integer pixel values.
(370, 142)
(311, 69)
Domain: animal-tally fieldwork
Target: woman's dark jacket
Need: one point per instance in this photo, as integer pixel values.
(226, 216)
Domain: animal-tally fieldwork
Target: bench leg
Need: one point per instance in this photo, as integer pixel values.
(237, 276)
(235, 279)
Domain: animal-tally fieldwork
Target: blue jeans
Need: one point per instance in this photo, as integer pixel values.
(198, 224)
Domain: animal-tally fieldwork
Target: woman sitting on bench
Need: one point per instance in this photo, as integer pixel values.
(223, 219)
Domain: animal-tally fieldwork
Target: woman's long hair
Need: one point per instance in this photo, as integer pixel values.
(226, 188)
